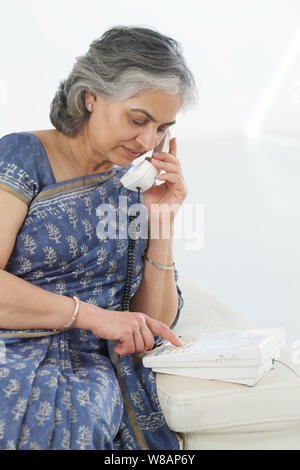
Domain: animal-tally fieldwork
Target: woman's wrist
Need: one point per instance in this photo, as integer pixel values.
(86, 316)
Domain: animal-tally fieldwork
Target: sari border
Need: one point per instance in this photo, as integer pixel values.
(15, 193)
(130, 412)
(64, 188)
(60, 198)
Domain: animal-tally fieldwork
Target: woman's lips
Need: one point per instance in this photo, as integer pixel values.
(130, 153)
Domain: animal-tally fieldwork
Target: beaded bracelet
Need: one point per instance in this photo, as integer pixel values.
(73, 317)
(160, 266)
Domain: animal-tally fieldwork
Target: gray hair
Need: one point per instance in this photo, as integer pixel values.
(122, 63)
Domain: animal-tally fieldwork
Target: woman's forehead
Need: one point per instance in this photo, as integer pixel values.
(157, 105)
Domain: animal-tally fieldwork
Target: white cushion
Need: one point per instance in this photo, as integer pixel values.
(198, 405)
(267, 440)
(203, 406)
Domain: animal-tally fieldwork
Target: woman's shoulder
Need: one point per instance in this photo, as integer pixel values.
(13, 140)
(21, 153)
(26, 140)
(18, 144)
(17, 148)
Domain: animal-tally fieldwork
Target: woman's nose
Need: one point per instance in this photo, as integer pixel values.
(147, 140)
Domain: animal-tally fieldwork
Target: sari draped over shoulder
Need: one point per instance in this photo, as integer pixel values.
(70, 390)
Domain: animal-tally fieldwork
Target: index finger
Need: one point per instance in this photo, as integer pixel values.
(158, 328)
(173, 147)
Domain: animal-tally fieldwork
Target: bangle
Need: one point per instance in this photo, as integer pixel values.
(73, 317)
(159, 266)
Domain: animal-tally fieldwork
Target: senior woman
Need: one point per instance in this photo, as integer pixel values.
(71, 376)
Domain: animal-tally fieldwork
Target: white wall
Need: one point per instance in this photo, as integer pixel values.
(250, 258)
(233, 47)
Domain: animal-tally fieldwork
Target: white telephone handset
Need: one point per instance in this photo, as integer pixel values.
(142, 175)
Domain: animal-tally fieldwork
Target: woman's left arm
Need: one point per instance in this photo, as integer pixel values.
(157, 294)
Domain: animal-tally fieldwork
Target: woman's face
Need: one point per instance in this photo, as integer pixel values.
(117, 124)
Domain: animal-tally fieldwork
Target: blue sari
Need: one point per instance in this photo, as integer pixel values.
(70, 390)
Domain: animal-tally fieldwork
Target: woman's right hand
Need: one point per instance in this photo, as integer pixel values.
(134, 331)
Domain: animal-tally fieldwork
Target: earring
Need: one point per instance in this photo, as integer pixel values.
(90, 107)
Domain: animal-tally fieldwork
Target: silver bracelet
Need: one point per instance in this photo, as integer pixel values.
(160, 266)
(73, 317)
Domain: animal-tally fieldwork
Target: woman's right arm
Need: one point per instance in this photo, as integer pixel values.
(26, 306)
(22, 304)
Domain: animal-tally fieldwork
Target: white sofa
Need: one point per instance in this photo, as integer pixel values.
(210, 414)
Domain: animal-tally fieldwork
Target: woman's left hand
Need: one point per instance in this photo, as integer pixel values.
(172, 193)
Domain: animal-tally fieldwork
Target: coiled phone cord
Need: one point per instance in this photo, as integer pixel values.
(130, 260)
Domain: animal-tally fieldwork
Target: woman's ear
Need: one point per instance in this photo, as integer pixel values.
(162, 143)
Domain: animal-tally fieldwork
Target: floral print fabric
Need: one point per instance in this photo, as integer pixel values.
(70, 390)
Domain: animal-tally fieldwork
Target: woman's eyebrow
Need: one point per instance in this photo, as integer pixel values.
(151, 117)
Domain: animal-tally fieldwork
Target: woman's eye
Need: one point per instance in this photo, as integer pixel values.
(141, 123)
(138, 123)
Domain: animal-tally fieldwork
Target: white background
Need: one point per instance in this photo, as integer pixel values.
(244, 55)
